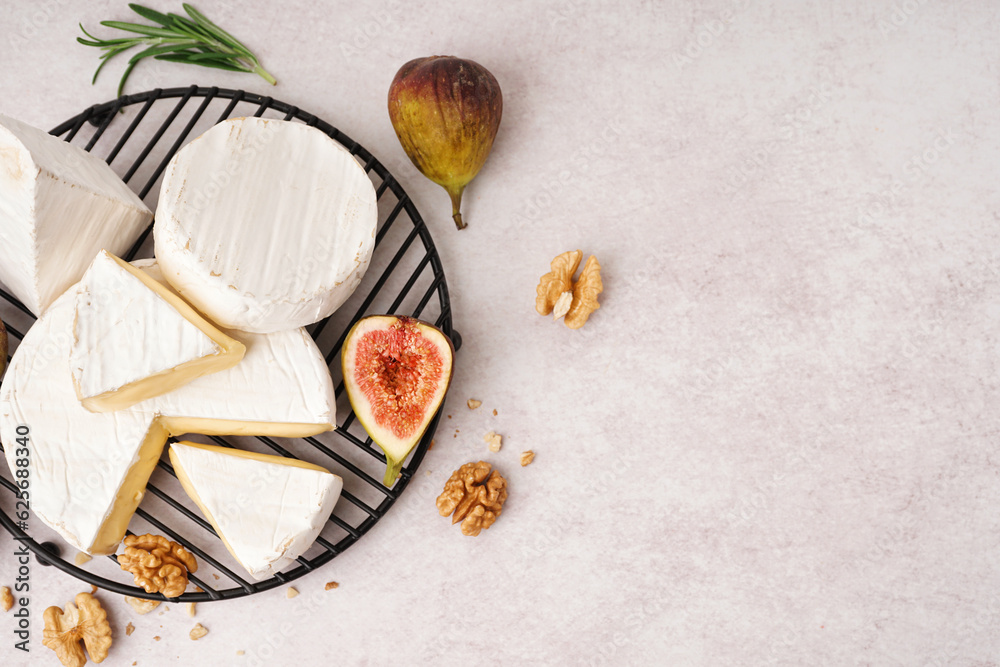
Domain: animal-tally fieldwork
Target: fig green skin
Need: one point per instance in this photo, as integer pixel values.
(356, 397)
(446, 112)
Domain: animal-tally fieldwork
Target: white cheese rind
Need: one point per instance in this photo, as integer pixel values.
(125, 333)
(59, 205)
(79, 461)
(282, 374)
(267, 512)
(265, 225)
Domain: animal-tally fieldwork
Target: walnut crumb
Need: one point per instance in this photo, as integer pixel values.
(156, 638)
(129, 629)
(430, 446)
(6, 598)
(216, 576)
(493, 440)
(527, 457)
(190, 608)
(494, 412)
(197, 632)
(331, 585)
(473, 403)
(291, 593)
(142, 605)
(81, 558)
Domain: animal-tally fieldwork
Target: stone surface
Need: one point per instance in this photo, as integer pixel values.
(773, 444)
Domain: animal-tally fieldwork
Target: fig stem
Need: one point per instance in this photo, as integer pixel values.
(456, 205)
(392, 469)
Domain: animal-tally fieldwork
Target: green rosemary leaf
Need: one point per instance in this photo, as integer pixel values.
(218, 32)
(151, 14)
(157, 50)
(152, 31)
(180, 58)
(191, 39)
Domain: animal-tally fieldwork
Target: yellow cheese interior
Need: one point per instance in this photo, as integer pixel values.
(130, 493)
(231, 353)
(181, 425)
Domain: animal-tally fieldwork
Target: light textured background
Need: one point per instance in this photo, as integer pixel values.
(776, 442)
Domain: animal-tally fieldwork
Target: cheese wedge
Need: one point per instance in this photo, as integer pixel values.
(87, 471)
(134, 338)
(268, 510)
(59, 205)
(265, 225)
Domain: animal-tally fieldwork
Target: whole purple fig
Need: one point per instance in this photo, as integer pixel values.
(446, 112)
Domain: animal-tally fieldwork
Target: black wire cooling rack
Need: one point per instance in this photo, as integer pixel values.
(137, 135)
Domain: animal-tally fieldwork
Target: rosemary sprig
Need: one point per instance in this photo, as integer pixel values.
(191, 39)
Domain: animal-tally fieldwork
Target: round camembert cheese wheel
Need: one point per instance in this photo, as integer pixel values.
(265, 225)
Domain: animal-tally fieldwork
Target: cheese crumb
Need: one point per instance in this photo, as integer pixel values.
(493, 440)
(81, 558)
(291, 593)
(240, 652)
(197, 632)
(190, 608)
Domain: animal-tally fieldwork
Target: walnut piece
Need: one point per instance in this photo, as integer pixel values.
(560, 295)
(557, 281)
(157, 564)
(473, 403)
(331, 585)
(129, 629)
(527, 457)
(6, 598)
(562, 304)
(86, 622)
(493, 440)
(197, 632)
(141, 605)
(474, 496)
(585, 292)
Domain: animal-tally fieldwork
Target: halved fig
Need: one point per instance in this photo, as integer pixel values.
(396, 372)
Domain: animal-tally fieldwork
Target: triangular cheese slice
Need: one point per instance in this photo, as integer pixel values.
(59, 206)
(134, 338)
(287, 501)
(88, 470)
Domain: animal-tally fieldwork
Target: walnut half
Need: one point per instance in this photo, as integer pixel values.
(474, 496)
(559, 295)
(157, 564)
(86, 622)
